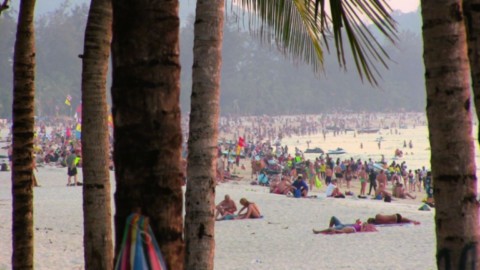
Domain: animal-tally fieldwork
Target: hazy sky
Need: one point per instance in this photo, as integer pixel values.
(188, 6)
(404, 5)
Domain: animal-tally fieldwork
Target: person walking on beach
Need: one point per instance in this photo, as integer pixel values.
(338, 173)
(34, 168)
(71, 168)
(328, 175)
(382, 179)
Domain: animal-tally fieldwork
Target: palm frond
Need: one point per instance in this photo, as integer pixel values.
(288, 23)
(302, 28)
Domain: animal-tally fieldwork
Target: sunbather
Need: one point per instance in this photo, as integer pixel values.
(252, 210)
(391, 219)
(337, 227)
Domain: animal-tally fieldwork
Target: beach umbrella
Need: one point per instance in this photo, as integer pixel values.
(139, 248)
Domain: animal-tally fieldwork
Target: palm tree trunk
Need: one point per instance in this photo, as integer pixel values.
(97, 213)
(472, 24)
(203, 138)
(23, 129)
(146, 114)
(450, 126)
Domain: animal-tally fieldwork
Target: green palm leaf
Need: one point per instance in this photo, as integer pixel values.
(301, 28)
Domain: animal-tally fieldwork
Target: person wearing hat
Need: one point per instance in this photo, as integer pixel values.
(299, 187)
(333, 191)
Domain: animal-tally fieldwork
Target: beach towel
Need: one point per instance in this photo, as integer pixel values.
(232, 217)
(395, 225)
(139, 249)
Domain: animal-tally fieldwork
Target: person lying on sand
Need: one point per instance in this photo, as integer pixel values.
(391, 219)
(337, 227)
(252, 210)
(225, 208)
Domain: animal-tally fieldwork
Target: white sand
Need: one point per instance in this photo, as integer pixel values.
(283, 239)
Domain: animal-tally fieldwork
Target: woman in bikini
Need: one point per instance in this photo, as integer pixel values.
(252, 210)
(337, 227)
(363, 180)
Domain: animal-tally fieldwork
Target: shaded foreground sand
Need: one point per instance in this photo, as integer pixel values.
(283, 239)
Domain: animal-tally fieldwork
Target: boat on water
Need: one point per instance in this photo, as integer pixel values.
(367, 130)
(316, 150)
(337, 151)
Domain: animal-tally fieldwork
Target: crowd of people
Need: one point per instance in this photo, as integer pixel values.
(297, 175)
(57, 144)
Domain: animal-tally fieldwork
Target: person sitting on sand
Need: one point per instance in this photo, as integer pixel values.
(399, 192)
(282, 187)
(333, 191)
(300, 185)
(337, 227)
(391, 219)
(225, 208)
(250, 207)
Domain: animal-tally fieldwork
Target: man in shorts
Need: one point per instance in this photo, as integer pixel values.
(71, 168)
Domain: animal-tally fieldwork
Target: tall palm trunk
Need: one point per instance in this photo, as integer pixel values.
(203, 135)
(97, 214)
(23, 129)
(449, 123)
(146, 114)
(472, 24)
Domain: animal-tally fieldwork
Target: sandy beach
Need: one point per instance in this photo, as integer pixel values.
(283, 239)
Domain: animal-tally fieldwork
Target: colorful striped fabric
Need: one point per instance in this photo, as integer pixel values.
(140, 250)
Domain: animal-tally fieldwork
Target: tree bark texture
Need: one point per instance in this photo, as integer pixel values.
(23, 134)
(146, 114)
(472, 24)
(203, 135)
(97, 213)
(450, 127)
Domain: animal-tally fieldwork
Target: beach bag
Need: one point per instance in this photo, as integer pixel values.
(139, 249)
(318, 183)
(297, 193)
